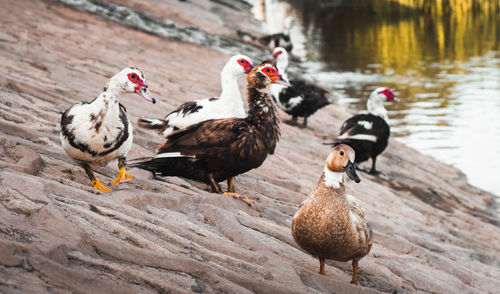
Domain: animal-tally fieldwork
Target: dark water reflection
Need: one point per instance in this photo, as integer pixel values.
(444, 68)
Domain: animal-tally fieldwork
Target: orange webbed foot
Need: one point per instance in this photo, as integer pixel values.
(96, 184)
(122, 177)
(239, 196)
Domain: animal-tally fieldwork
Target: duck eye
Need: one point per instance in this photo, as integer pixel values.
(268, 70)
(341, 153)
(133, 76)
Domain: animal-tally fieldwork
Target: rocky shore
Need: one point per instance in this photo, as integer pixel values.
(433, 232)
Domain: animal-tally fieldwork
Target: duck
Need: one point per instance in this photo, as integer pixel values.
(228, 104)
(220, 149)
(303, 98)
(273, 40)
(331, 224)
(97, 132)
(368, 132)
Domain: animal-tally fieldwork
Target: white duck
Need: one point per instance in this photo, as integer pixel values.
(228, 104)
(99, 131)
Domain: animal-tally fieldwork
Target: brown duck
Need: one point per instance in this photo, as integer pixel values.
(220, 149)
(330, 224)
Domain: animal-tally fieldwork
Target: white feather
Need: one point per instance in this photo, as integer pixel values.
(172, 154)
(294, 101)
(154, 122)
(366, 124)
(353, 201)
(333, 179)
(364, 137)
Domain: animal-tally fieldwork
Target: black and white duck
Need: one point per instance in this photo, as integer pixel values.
(273, 40)
(303, 98)
(97, 132)
(368, 132)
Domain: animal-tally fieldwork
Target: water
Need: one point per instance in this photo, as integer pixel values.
(445, 70)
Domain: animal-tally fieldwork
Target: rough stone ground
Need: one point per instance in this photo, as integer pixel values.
(434, 233)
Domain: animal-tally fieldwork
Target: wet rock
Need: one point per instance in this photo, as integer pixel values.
(5, 37)
(22, 194)
(30, 162)
(8, 255)
(199, 287)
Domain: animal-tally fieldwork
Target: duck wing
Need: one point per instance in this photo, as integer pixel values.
(360, 226)
(165, 125)
(365, 127)
(303, 98)
(198, 139)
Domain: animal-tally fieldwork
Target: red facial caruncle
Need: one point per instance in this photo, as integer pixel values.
(247, 65)
(277, 53)
(389, 95)
(134, 78)
(141, 87)
(274, 75)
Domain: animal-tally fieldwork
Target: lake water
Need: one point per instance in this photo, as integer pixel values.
(445, 70)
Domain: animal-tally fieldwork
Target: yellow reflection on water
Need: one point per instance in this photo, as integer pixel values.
(352, 40)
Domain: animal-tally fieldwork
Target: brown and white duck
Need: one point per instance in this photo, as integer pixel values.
(216, 150)
(99, 131)
(330, 224)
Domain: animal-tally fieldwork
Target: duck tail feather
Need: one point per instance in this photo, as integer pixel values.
(152, 123)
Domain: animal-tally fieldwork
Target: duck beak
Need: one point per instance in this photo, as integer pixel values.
(248, 69)
(395, 99)
(271, 58)
(350, 170)
(144, 92)
(281, 81)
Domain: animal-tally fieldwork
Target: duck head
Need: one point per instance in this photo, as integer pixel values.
(378, 97)
(265, 74)
(238, 65)
(288, 24)
(280, 58)
(341, 160)
(383, 95)
(131, 80)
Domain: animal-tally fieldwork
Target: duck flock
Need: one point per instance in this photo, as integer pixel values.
(214, 140)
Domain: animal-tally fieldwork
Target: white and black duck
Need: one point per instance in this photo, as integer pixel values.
(228, 104)
(368, 133)
(303, 98)
(96, 132)
(273, 40)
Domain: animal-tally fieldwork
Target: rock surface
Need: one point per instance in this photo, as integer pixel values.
(433, 232)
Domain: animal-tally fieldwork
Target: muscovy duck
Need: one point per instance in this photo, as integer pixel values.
(303, 98)
(220, 149)
(330, 224)
(368, 133)
(99, 131)
(273, 40)
(228, 104)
